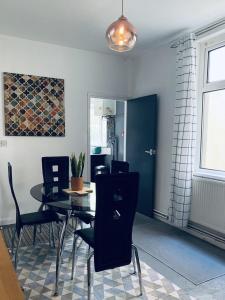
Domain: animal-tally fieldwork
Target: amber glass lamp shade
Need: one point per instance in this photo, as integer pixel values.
(121, 35)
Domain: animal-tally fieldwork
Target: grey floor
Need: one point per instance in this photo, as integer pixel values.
(200, 282)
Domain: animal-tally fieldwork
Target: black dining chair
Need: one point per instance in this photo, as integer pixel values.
(101, 170)
(55, 171)
(119, 166)
(111, 237)
(116, 167)
(30, 219)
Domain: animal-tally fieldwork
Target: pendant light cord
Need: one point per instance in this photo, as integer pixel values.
(122, 7)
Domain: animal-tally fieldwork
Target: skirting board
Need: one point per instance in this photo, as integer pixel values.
(160, 216)
(198, 230)
(207, 234)
(7, 221)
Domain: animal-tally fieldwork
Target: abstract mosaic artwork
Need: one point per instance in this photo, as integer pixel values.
(34, 105)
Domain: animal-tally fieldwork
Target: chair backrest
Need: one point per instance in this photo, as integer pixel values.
(119, 166)
(101, 170)
(18, 218)
(116, 201)
(55, 170)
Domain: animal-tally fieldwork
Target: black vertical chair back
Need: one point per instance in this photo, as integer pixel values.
(116, 201)
(18, 218)
(101, 170)
(60, 176)
(119, 167)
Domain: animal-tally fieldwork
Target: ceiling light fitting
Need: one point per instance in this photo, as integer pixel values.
(121, 35)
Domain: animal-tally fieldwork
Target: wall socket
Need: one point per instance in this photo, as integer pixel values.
(3, 143)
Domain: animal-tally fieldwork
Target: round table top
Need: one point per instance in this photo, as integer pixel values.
(59, 198)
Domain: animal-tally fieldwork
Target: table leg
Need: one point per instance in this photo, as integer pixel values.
(59, 253)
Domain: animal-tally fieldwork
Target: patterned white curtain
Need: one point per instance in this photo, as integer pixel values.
(184, 132)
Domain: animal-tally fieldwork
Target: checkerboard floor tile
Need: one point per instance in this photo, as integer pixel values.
(36, 273)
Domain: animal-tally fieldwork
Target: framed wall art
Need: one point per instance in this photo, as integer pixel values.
(33, 105)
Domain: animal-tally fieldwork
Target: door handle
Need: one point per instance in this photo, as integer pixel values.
(150, 152)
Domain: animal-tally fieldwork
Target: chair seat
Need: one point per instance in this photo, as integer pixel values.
(85, 217)
(87, 235)
(41, 217)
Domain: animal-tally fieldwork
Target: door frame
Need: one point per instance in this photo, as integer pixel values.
(109, 97)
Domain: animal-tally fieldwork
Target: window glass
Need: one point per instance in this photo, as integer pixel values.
(213, 131)
(216, 65)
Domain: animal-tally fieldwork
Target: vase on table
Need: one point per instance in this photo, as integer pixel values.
(77, 183)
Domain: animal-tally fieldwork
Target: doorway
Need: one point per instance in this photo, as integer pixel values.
(107, 132)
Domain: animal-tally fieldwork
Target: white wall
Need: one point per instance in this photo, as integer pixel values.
(154, 73)
(84, 72)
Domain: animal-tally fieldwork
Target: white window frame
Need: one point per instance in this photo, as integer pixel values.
(204, 86)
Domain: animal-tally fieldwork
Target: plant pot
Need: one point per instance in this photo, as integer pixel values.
(77, 183)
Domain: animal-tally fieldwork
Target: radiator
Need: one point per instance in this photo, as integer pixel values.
(208, 203)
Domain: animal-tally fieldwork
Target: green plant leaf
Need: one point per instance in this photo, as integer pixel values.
(79, 165)
(73, 162)
(82, 168)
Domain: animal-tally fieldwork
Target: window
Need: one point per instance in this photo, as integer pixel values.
(216, 64)
(98, 127)
(212, 108)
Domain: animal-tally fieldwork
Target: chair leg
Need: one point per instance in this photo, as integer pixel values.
(133, 261)
(34, 234)
(89, 274)
(81, 225)
(49, 235)
(17, 248)
(91, 226)
(13, 240)
(92, 223)
(75, 238)
(59, 254)
(75, 223)
(41, 208)
(58, 231)
(138, 268)
(53, 235)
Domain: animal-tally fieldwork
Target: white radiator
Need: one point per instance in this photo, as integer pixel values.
(208, 203)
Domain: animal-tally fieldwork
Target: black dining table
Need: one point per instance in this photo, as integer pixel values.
(55, 197)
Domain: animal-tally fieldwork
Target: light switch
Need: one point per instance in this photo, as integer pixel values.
(3, 143)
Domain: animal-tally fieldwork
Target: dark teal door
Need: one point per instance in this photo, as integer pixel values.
(141, 147)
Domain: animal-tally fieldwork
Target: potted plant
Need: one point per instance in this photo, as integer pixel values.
(77, 168)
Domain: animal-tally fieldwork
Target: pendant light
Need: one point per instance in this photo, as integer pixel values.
(121, 35)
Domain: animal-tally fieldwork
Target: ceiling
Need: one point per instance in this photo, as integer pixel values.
(82, 23)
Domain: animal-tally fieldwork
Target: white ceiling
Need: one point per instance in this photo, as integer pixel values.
(82, 23)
